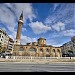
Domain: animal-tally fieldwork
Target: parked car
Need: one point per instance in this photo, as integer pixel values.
(3, 55)
(0, 54)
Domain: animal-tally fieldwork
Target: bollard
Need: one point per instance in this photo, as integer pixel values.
(70, 57)
(14, 57)
(6, 57)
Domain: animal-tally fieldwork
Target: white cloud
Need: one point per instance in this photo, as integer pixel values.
(57, 45)
(53, 42)
(65, 13)
(13, 35)
(7, 18)
(70, 32)
(54, 35)
(9, 12)
(59, 26)
(49, 20)
(24, 29)
(26, 39)
(39, 27)
(55, 6)
(26, 8)
(19, 7)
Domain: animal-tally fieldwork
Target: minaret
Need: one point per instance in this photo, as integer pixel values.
(20, 23)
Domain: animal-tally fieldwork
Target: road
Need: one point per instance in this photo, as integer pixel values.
(22, 67)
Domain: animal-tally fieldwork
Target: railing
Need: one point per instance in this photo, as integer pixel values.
(28, 57)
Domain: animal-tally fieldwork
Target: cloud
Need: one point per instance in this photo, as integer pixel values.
(26, 39)
(9, 15)
(24, 29)
(70, 32)
(10, 12)
(7, 18)
(62, 15)
(55, 6)
(13, 35)
(39, 27)
(53, 42)
(19, 7)
(59, 26)
(54, 39)
(62, 12)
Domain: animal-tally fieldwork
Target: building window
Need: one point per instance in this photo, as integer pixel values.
(10, 44)
(41, 50)
(10, 49)
(32, 50)
(1, 39)
(21, 49)
(58, 50)
(0, 35)
(53, 50)
(47, 50)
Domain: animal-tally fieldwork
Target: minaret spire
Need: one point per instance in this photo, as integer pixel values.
(21, 16)
(20, 23)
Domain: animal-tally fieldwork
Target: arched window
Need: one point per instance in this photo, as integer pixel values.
(41, 50)
(47, 50)
(32, 50)
(53, 50)
(21, 48)
(58, 50)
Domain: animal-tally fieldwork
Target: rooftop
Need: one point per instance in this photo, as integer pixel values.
(3, 31)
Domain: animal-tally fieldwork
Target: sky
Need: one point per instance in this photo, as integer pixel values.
(52, 21)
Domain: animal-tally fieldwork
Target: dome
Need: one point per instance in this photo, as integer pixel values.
(42, 41)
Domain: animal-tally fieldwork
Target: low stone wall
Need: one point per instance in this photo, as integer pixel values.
(45, 58)
(39, 60)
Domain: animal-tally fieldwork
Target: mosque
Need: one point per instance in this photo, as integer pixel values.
(36, 49)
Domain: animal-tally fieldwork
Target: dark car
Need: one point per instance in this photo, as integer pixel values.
(0, 54)
(3, 55)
